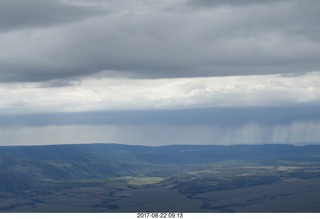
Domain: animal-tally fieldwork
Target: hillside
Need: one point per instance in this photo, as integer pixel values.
(109, 160)
(188, 170)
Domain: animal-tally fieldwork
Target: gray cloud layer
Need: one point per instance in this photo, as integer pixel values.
(234, 3)
(16, 14)
(61, 43)
(221, 117)
(255, 125)
(157, 39)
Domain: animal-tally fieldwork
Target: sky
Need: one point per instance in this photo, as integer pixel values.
(159, 72)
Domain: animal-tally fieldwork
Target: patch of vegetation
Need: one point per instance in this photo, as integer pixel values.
(139, 181)
(201, 185)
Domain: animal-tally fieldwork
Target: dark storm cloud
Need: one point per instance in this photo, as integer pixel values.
(145, 41)
(16, 14)
(220, 117)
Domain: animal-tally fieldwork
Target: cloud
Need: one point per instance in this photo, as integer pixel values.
(194, 71)
(100, 94)
(140, 39)
(299, 133)
(15, 14)
(234, 3)
(216, 110)
(220, 117)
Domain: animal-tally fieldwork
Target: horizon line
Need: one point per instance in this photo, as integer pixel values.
(166, 145)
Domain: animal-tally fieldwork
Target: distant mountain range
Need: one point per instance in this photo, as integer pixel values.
(109, 160)
(107, 177)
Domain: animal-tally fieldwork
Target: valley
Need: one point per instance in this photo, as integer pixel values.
(121, 178)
